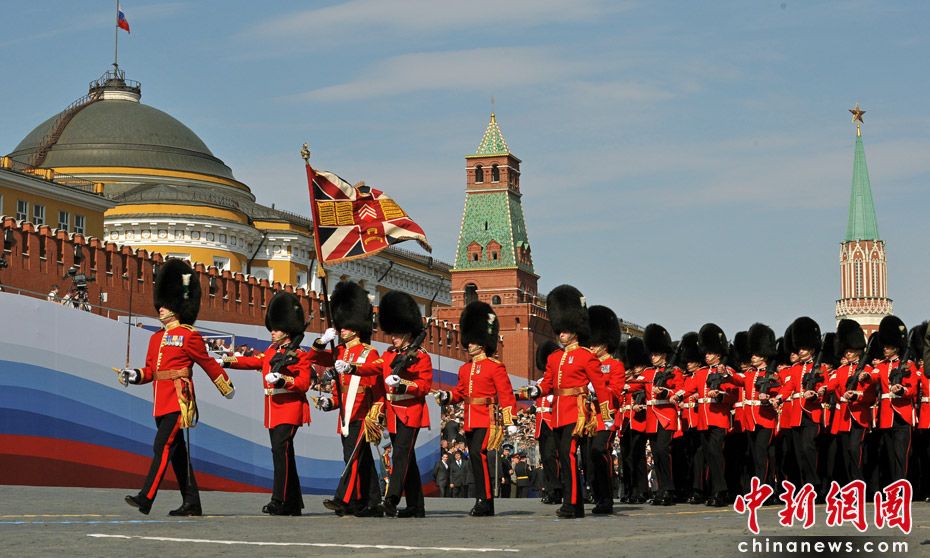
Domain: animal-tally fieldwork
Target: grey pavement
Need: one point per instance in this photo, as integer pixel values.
(40, 521)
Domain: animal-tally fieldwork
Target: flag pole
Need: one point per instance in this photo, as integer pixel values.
(116, 42)
(321, 274)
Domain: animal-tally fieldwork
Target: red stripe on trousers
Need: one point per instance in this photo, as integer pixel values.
(574, 471)
(164, 461)
(484, 464)
(352, 486)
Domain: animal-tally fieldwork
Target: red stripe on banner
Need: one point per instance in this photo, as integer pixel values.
(38, 461)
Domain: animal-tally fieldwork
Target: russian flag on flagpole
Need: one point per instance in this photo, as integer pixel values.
(121, 21)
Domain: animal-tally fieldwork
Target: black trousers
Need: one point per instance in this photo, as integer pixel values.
(712, 441)
(286, 486)
(681, 465)
(600, 463)
(897, 443)
(477, 441)
(569, 471)
(636, 457)
(694, 449)
(919, 466)
(523, 491)
(169, 447)
(549, 455)
(851, 451)
(805, 450)
(405, 477)
(737, 457)
(786, 466)
(505, 486)
(661, 443)
(359, 481)
(763, 454)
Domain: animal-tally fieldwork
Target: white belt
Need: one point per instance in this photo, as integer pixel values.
(543, 409)
(925, 399)
(838, 407)
(706, 400)
(653, 402)
(399, 396)
(275, 391)
(751, 403)
(795, 396)
(738, 405)
(842, 400)
(888, 396)
(687, 405)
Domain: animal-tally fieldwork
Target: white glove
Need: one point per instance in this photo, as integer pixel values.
(512, 429)
(272, 377)
(609, 424)
(392, 380)
(443, 397)
(342, 366)
(548, 399)
(533, 392)
(128, 376)
(590, 387)
(232, 392)
(325, 404)
(329, 335)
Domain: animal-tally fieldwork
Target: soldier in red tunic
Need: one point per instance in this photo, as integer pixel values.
(760, 413)
(568, 375)
(548, 454)
(688, 458)
(168, 366)
(406, 389)
(604, 342)
(920, 464)
(484, 387)
(633, 426)
(361, 401)
(660, 381)
(286, 372)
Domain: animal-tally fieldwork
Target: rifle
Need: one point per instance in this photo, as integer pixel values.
(809, 381)
(901, 371)
(408, 356)
(660, 379)
(853, 380)
(714, 381)
(765, 383)
(281, 361)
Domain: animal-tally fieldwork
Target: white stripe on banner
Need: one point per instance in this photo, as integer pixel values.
(319, 545)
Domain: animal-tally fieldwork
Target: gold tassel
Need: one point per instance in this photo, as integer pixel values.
(373, 428)
(581, 423)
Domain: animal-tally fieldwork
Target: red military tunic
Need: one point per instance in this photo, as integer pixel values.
(284, 405)
(709, 412)
(369, 389)
(890, 403)
(923, 405)
(794, 389)
(483, 382)
(687, 408)
(659, 410)
(543, 414)
(615, 376)
(756, 413)
(860, 408)
(177, 347)
(568, 372)
(408, 408)
(785, 375)
(738, 423)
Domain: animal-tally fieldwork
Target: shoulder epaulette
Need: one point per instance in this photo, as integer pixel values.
(587, 349)
(188, 326)
(494, 360)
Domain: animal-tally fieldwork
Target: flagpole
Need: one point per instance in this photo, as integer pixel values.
(116, 42)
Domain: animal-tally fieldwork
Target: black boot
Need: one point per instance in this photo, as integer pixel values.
(604, 508)
(411, 511)
(274, 507)
(697, 499)
(482, 508)
(566, 512)
(371, 510)
(141, 502)
(187, 510)
(390, 506)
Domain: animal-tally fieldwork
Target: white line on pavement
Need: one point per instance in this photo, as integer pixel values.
(321, 545)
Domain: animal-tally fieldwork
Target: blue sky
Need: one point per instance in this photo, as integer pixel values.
(683, 162)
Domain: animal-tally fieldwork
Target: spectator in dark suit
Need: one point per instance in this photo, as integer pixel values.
(441, 475)
(504, 471)
(459, 471)
(521, 470)
(450, 432)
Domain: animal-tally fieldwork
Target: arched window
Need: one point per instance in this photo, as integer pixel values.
(495, 173)
(858, 278)
(479, 174)
(495, 299)
(471, 293)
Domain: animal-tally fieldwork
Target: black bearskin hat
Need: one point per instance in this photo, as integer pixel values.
(918, 333)
(635, 353)
(690, 351)
(351, 309)
(478, 324)
(177, 288)
(805, 334)
(829, 355)
(786, 340)
(892, 332)
(605, 328)
(568, 312)
(657, 340)
(542, 354)
(712, 339)
(399, 314)
(741, 347)
(762, 341)
(782, 356)
(285, 314)
(849, 337)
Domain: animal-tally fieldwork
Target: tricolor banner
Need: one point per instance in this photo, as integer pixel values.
(121, 20)
(352, 222)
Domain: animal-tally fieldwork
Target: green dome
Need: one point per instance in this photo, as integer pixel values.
(123, 133)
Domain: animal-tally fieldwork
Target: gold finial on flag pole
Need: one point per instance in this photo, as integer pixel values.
(305, 153)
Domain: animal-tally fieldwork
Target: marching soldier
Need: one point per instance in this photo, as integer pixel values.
(361, 400)
(714, 389)
(568, 373)
(286, 378)
(736, 447)
(170, 360)
(604, 341)
(660, 381)
(687, 457)
(921, 461)
(633, 433)
(484, 387)
(855, 394)
(897, 385)
(786, 465)
(761, 415)
(548, 452)
(407, 384)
